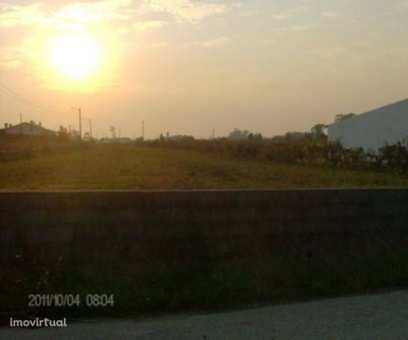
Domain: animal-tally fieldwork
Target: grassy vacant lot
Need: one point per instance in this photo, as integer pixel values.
(135, 167)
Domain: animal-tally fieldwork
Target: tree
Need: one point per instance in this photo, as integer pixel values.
(238, 134)
(341, 117)
(63, 132)
(255, 136)
(319, 131)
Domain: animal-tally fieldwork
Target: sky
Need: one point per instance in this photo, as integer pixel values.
(191, 66)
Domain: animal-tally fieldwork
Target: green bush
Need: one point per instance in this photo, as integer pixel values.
(307, 151)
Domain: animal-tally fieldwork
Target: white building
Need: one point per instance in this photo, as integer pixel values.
(374, 129)
(26, 129)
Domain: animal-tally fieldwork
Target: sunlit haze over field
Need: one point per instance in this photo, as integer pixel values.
(194, 67)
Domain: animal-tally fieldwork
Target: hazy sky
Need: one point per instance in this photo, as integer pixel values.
(188, 66)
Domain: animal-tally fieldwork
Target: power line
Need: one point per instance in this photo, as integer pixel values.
(10, 92)
(19, 98)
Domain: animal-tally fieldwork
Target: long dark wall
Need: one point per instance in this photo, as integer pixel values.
(163, 251)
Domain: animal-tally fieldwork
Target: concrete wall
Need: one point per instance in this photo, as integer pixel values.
(236, 245)
(372, 130)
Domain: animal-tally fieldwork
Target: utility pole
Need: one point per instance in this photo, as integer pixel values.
(21, 122)
(143, 130)
(90, 128)
(113, 132)
(80, 123)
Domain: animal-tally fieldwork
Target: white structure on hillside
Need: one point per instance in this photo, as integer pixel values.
(374, 129)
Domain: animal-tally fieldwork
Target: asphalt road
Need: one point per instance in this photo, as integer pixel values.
(381, 317)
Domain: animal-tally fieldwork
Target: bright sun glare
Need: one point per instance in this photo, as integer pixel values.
(75, 56)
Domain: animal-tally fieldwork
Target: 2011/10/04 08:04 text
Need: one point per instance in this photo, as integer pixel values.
(71, 300)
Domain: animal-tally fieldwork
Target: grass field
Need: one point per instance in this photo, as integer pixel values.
(133, 167)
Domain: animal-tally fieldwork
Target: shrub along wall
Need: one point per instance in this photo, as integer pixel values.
(307, 151)
(166, 251)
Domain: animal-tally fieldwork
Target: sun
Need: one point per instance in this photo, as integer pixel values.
(75, 56)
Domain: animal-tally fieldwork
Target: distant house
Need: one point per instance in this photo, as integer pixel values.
(26, 129)
(374, 129)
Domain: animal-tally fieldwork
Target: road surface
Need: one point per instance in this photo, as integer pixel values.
(382, 317)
